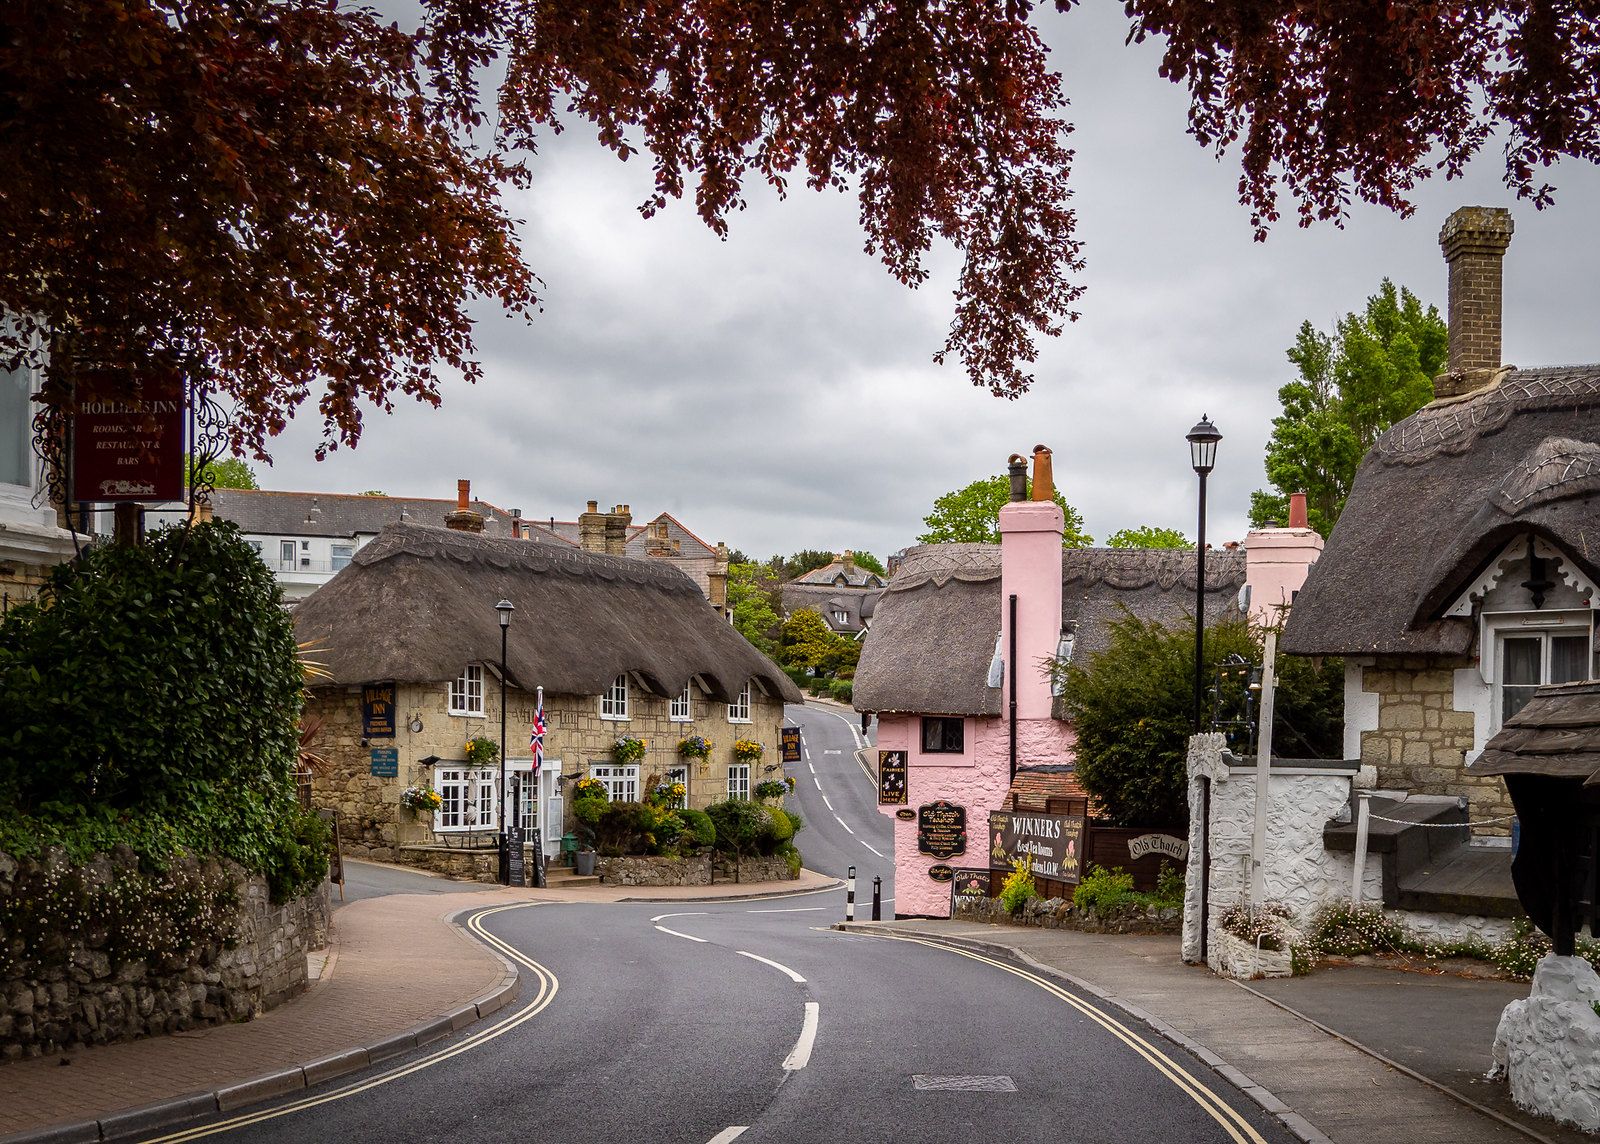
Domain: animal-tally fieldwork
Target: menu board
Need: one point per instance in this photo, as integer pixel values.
(941, 829)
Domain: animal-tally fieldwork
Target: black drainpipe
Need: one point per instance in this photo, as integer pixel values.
(1011, 659)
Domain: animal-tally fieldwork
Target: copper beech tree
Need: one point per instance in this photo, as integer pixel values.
(290, 198)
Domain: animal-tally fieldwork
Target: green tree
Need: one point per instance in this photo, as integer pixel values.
(752, 591)
(806, 560)
(810, 644)
(871, 563)
(1148, 536)
(224, 473)
(1376, 368)
(972, 515)
(1132, 706)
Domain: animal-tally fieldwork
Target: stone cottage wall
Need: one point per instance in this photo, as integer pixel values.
(1421, 740)
(66, 977)
(374, 825)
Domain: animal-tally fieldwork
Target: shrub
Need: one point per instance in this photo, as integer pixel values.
(791, 858)
(1266, 926)
(842, 690)
(778, 830)
(1018, 889)
(299, 861)
(621, 828)
(151, 696)
(795, 819)
(739, 825)
(1101, 890)
(798, 675)
(698, 832)
(1169, 887)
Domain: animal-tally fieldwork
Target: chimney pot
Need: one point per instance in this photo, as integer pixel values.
(1017, 473)
(1298, 517)
(594, 506)
(1044, 483)
(1474, 242)
(463, 494)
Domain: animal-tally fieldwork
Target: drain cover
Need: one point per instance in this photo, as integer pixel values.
(923, 1083)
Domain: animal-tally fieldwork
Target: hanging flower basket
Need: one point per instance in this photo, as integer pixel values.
(420, 798)
(695, 747)
(747, 750)
(628, 749)
(482, 752)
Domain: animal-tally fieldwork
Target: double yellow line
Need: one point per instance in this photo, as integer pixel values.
(1236, 1126)
(546, 987)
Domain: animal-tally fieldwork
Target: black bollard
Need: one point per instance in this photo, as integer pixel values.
(850, 896)
(877, 898)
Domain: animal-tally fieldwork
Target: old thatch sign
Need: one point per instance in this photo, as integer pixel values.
(790, 737)
(1054, 842)
(891, 778)
(941, 829)
(969, 885)
(377, 710)
(130, 448)
(1164, 844)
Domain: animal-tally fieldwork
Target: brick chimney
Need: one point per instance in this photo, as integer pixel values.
(717, 580)
(1030, 568)
(616, 530)
(848, 559)
(463, 519)
(592, 529)
(1474, 241)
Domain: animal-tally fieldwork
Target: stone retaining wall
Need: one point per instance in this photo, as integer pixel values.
(1059, 913)
(648, 870)
(215, 949)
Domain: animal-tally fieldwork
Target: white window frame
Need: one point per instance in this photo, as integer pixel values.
(1510, 625)
(739, 781)
(466, 692)
(475, 808)
(621, 781)
(286, 555)
(682, 707)
(340, 555)
(26, 380)
(680, 774)
(739, 709)
(614, 700)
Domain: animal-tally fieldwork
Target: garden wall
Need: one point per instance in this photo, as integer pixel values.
(1059, 913)
(102, 952)
(645, 870)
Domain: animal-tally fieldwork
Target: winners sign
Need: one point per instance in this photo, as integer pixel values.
(1053, 841)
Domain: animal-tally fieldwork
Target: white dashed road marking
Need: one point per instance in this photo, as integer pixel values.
(800, 1055)
(685, 936)
(792, 975)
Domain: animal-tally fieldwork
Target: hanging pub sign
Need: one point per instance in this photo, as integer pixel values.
(941, 829)
(969, 885)
(377, 710)
(891, 778)
(790, 737)
(1053, 841)
(386, 762)
(129, 448)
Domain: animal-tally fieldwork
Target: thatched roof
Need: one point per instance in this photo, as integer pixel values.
(1556, 734)
(417, 604)
(1438, 497)
(273, 513)
(934, 629)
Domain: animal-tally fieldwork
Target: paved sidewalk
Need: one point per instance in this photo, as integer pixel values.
(1322, 1087)
(398, 973)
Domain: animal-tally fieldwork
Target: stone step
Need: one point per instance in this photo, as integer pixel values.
(561, 878)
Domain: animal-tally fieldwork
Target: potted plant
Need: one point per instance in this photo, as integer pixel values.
(420, 798)
(482, 751)
(589, 802)
(696, 747)
(627, 749)
(747, 751)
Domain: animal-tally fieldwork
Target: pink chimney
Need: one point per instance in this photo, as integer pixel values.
(1030, 570)
(1277, 562)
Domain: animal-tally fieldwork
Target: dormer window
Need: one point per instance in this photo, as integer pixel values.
(682, 709)
(614, 702)
(466, 691)
(739, 709)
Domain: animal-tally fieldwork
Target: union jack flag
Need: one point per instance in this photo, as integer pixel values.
(536, 739)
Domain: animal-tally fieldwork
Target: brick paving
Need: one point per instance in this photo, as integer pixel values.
(396, 962)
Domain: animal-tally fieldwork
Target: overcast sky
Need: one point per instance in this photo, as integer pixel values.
(776, 390)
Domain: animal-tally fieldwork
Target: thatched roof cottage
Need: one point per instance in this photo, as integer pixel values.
(622, 647)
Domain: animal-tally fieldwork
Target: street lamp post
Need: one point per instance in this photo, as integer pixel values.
(504, 609)
(1203, 440)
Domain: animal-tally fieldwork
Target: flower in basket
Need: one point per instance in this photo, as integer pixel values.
(789, 782)
(481, 751)
(695, 747)
(627, 749)
(771, 788)
(420, 797)
(587, 787)
(747, 750)
(668, 794)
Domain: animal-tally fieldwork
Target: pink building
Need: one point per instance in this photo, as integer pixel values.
(938, 665)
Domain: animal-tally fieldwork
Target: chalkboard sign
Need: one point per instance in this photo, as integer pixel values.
(385, 762)
(377, 710)
(891, 778)
(538, 858)
(968, 885)
(790, 737)
(941, 829)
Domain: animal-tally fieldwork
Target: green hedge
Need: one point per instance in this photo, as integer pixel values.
(151, 696)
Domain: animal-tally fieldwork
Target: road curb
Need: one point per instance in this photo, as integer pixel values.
(1263, 1097)
(172, 1111)
(767, 895)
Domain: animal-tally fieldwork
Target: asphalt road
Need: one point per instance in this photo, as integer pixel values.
(695, 1023)
(838, 801)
